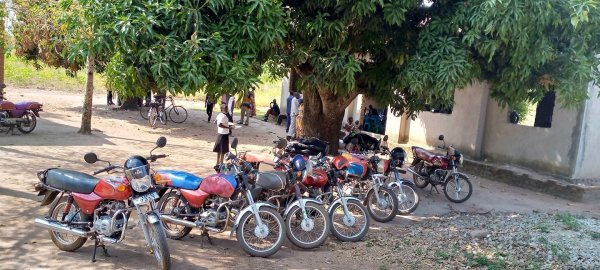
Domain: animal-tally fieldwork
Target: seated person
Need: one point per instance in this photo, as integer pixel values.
(273, 110)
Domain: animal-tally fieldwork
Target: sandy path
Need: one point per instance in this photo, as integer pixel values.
(122, 133)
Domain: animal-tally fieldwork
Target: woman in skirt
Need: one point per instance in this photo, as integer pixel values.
(223, 129)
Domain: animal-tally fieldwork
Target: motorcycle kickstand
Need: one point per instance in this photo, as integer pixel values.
(205, 234)
(96, 245)
(436, 189)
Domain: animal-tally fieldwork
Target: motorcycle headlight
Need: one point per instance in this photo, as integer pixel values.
(139, 178)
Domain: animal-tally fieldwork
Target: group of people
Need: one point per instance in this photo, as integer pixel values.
(248, 107)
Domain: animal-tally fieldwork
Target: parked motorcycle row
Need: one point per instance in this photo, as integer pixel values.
(305, 197)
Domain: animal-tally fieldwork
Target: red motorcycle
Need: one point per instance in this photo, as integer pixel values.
(21, 115)
(429, 168)
(99, 209)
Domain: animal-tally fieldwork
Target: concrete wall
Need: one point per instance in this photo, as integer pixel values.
(463, 128)
(586, 163)
(546, 149)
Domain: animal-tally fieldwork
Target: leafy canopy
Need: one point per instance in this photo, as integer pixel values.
(184, 46)
(410, 53)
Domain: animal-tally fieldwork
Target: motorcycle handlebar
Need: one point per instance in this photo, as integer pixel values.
(153, 158)
(109, 168)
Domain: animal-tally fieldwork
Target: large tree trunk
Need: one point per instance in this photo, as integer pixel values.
(329, 109)
(86, 117)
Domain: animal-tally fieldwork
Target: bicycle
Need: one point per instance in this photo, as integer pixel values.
(176, 113)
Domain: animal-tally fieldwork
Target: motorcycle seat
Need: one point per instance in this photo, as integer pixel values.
(423, 154)
(27, 105)
(73, 181)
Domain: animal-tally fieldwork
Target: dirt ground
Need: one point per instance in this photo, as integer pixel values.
(118, 134)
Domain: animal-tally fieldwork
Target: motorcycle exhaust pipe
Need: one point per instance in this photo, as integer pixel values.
(176, 221)
(186, 223)
(60, 228)
(413, 172)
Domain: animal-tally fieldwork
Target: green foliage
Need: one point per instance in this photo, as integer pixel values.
(543, 227)
(569, 221)
(217, 46)
(595, 235)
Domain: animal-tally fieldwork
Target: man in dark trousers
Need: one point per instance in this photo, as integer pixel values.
(273, 110)
(288, 110)
(223, 130)
(209, 104)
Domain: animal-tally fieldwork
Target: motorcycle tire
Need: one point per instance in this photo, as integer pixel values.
(419, 181)
(405, 207)
(390, 198)
(55, 212)
(160, 249)
(32, 122)
(250, 217)
(173, 232)
(294, 226)
(338, 227)
(448, 184)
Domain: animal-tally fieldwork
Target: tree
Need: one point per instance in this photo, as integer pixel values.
(3, 15)
(408, 53)
(217, 46)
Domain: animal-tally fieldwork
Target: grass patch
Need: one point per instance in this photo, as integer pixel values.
(543, 227)
(569, 221)
(560, 252)
(383, 267)
(369, 243)
(419, 251)
(19, 73)
(484, 261)
(595, 235)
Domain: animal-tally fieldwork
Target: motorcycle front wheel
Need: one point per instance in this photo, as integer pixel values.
(261, 242)
(158, 242)
(28, 126)
(352, 227)
(309, 233)
(384, 209)
(408, 199)
(458, 188)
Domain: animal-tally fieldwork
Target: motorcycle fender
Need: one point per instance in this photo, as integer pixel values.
(152, 218)
(415, 161)
(36, 112)
(339, 201)
(297, 203)
(49, 196)
(246, 210)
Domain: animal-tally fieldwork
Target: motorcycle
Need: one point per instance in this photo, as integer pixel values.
(99, 209)
(212, 203)
(307, 221)
(408, 198)
(22, 115)
(429, 168)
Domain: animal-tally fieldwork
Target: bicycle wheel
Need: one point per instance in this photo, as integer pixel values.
(178, 114)
(152, 116)
(162, 116)
(144, 110)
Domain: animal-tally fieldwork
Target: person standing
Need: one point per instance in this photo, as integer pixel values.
(230, 104)
(288, 110)
(109, 98)
(209, 104)
(223, 130)
(293, 114)
(300, 121)
(246, 109)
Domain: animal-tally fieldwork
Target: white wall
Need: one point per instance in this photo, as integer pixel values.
(462, 128)
(547, 149)
(586, 165)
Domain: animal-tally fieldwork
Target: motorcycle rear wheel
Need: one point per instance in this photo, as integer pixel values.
(31, 123)
(320, 229)
(173, 231)
(66, 242)
(419, 181)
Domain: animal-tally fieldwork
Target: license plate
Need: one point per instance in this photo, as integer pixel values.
(145, 198)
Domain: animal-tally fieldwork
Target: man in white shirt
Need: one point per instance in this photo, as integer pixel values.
(230, 104)
(222, 144)
(293, 114)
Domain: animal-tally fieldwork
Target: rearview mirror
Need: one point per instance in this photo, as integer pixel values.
(234, 143)
(90, 158)
(441, 137)
(161, 142)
